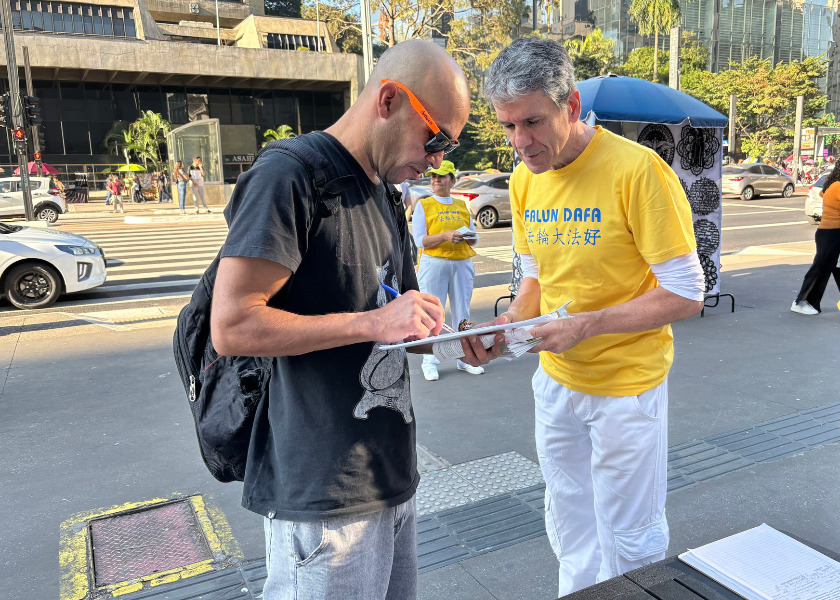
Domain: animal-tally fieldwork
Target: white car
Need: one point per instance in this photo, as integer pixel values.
(46, 199)
(813, 201)
(37, 265)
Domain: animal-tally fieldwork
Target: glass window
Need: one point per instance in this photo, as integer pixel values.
(5, 187)
(76, 140)
(264, 106)
(100, 105)
(88, 20)
(176, 103)
(323, 109)
(732, 170)
(58, 19)
(129, 27)
(220, 108)
(501, 184)
(768, 170)
(285, 111)
(125, 104)
(15, 19)
(37, 17)
(97, 21)
(150, 98)
(197, 107)
(78, 23)
(26, 20)
(306, 111)
(119, 25)
(48, 20)
(468, 184)
(107, 22)
(73, 102)
(756, 170)
(242, 109)
(98, 133)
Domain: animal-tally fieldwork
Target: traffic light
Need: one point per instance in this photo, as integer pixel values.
(5, 111)
(19, 136)
(36, 156)
(32, 110)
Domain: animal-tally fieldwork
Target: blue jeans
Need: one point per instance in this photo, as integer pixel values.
(367, 557)
(182, 194)
(108, 198)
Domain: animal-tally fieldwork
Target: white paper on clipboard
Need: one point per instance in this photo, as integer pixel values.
(559, 313)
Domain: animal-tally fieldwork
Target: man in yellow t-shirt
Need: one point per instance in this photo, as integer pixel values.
(605, 223)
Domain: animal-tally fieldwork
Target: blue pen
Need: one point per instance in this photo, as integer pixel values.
(396, 294)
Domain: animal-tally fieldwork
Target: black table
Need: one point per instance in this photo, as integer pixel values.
(669, 579)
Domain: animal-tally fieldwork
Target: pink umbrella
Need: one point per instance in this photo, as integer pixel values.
(33, 169)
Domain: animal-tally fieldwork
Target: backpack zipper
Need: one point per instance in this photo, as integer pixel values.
(192, 388)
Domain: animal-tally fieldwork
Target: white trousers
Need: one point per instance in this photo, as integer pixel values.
(604, 460)
(442, 277)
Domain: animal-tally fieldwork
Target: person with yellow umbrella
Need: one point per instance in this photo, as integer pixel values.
(441, 226)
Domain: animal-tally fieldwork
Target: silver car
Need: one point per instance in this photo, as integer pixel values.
(751, 181)
(487, 197)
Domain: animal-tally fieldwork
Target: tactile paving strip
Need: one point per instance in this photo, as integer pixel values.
(701, 460)
(475, 480)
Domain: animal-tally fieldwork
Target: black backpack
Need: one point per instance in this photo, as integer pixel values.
(225, 391)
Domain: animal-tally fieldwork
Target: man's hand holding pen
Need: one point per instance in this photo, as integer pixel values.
(410, 316)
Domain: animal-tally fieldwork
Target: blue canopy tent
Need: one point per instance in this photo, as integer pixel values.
(618, 98)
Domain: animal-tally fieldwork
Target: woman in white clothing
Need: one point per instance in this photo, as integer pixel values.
(446, 267)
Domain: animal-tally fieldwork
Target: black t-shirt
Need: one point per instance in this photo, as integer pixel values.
(336, 436)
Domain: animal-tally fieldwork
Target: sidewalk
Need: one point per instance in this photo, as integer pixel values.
(139, 212)
(95, 417)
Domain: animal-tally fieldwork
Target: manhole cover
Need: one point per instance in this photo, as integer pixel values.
(131, 545)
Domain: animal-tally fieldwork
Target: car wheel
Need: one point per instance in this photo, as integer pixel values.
(33, 285)
(487, 217)
(47, 213)
(748, 193)
(788, 191)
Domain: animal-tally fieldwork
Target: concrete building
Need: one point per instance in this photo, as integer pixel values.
(733, 30)
(96, 65)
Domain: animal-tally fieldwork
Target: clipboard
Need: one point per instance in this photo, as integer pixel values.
(560, 312)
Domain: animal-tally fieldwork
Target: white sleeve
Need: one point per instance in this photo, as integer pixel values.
(529, 266)
(418, 224)
(682, 275)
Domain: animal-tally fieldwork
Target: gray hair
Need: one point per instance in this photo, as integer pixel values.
(530, 65)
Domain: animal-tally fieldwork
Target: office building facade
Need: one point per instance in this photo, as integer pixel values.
(97, 65)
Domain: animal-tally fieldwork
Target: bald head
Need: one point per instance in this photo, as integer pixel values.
(385, 132)
(425, 68)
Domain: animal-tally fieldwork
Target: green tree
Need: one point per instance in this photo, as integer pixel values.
(640, 61)
(653, 16)
(283, 8)
(146, 135)
(484, 143)
(341, 19)
(594, 55)
(766, 97)
(283, 132)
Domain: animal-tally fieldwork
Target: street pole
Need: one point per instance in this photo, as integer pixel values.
(16, 104)
(218, 31)
(367, 46)
(674, 63)
(797, 137)
(30, 91)
(534, 14)
(318, 21)
(733, 115)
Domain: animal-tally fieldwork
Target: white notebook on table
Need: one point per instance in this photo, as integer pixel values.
(765, 564)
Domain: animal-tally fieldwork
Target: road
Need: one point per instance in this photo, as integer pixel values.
(166, 260)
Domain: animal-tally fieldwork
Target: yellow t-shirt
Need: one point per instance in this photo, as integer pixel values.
(593, 227)
(444, 217)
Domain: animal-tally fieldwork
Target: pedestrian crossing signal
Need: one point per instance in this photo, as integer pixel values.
(37, 156)
(19, 134)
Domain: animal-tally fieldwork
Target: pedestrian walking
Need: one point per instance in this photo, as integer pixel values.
(136, 194)
(163, 187)
(108, 190)
(332, 464)
(446, 266)
(827, 239)
(181, 180)
(196, 175)
(116, 187)
(603, 222)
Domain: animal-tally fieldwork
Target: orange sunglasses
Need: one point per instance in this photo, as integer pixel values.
(440, 141)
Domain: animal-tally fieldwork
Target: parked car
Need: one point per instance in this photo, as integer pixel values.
(37, 264)
(46, 199)
(751, 181)
(487, 196)
(813, 201)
